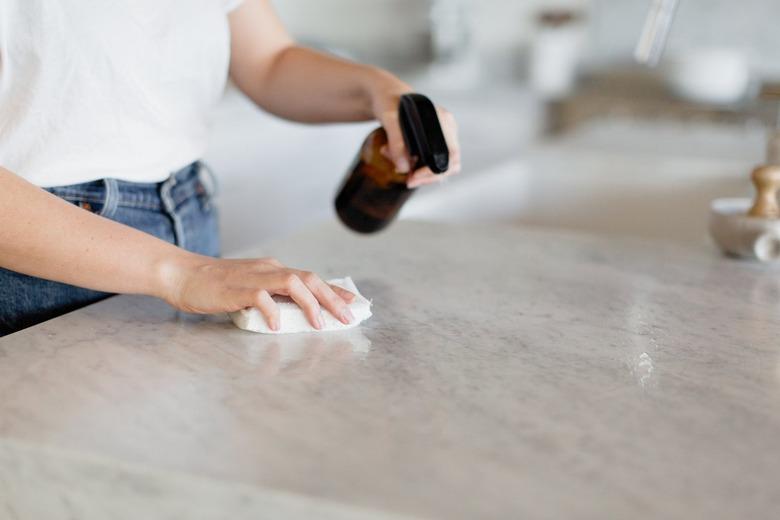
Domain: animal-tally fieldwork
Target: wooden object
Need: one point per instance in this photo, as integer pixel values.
(766, 179)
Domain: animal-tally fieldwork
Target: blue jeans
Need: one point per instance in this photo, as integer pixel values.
(179, 210)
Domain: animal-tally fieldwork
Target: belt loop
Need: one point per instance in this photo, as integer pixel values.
(170, 208)
(112, 198)
(207, 178)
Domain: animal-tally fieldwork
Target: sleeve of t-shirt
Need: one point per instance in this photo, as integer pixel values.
(229, 5)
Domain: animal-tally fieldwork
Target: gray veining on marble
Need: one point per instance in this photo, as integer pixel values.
(506, 373)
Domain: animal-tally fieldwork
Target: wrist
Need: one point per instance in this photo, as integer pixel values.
(384, 92)
(171, 272)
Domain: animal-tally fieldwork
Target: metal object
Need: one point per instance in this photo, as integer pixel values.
(656, 32)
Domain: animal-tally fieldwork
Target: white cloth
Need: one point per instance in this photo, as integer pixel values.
(120, 88)
(293, 320)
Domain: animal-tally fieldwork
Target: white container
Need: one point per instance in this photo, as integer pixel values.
(555, 54)
(739, 235)
(718, 76)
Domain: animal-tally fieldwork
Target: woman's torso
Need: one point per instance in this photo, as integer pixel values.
(108, 88)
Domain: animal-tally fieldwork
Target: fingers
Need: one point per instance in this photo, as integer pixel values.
(395, 142)
(309, 292)
(262, 301)
(450, 129)
(302, 295)
(328, 297)
(426, 176)
(343, 293)
(305, 288)
(397, 152)
(421, 177)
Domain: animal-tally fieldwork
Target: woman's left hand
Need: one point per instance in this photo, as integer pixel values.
(386, 97)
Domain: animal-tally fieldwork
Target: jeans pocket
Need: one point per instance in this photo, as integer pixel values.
(93, 207)
(90, 201)
(99, 197)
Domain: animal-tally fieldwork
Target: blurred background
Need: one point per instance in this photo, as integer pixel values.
(559, 127)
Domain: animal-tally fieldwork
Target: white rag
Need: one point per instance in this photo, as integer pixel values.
(292, 319)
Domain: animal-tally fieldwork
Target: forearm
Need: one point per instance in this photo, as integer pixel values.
(42, 235)
(307, 86)
(297, 83)
(311, 87)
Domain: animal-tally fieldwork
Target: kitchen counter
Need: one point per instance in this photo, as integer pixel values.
(506, 373)
(641, 179)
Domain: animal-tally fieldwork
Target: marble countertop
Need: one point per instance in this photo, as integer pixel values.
(506, 373)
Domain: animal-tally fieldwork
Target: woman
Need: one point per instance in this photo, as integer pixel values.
(105, 105)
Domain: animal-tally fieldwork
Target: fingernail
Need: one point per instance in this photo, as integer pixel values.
(320, 322)
(347, 317)
(274, 324)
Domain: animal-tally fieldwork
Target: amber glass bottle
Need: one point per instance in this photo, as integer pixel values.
(373, 192)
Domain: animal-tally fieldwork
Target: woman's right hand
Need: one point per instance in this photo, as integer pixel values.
(208, 285)
(44, 236)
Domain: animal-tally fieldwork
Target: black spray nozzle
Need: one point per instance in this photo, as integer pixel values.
(422, 132)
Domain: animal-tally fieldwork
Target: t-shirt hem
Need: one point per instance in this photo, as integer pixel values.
(66, 180)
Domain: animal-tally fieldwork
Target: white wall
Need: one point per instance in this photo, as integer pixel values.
(747, 24)
(371, 28)
(367, 29)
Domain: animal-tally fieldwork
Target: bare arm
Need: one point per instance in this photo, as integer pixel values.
(42, 235)
(303, 85)
(295, 82)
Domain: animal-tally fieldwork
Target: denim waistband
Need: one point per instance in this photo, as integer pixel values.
(194, 179)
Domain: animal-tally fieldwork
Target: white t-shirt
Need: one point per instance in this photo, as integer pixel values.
(108, 88)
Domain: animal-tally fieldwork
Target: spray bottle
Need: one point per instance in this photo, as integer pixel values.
(373, 191)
